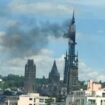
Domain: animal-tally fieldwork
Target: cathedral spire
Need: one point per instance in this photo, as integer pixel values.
(72, 30)
(73, 18)
(71, 64)
(54, 74)
(54, 67)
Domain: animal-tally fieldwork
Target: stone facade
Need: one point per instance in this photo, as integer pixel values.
(54, 76)
(71, 60)
(30, 75)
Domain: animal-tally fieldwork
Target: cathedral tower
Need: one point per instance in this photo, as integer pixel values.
(30, 75)
(71, 60)
(54, 76)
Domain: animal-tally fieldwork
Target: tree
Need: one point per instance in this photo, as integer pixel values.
(49, 101)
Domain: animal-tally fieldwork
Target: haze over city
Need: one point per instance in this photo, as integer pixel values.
(34, 29)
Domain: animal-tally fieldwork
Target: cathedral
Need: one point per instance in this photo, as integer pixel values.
(70, 81)
(71, 60)
(53, 86)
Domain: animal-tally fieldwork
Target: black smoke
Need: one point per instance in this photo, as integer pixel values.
(21, 42)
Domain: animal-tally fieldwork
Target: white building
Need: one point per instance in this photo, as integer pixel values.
(33, 99)
(29, 99)
(11, 100)
(85, 97)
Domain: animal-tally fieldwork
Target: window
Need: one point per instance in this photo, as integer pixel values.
(82, 101)
(41, 100)
(90, 101)
(30, 98)
(103, 94)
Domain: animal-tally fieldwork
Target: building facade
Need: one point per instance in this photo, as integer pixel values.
(93, 86)
(54, 81)
(30, 75)
(86, 97)
(50, 86)
(71, 60)
(11, 100)
(34, 99)
(28, 99)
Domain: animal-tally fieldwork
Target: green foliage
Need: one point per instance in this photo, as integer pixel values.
(1, 85)
(83, 85)
(16, 81)
(41, 81)
(12, 81)
(60, 98)
(49, 101)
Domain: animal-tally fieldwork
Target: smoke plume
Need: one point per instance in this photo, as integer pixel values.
(21, 42)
